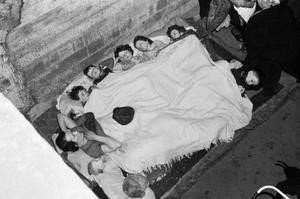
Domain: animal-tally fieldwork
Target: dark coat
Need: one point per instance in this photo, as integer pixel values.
(272, 39)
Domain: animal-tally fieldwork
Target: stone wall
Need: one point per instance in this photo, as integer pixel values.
(57, 39)
(11, 78)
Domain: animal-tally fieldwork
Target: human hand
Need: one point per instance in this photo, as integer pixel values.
(235, 64)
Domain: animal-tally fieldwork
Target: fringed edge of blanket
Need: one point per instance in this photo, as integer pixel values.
(179, 157)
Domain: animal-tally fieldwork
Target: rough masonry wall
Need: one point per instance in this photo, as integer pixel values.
(57, 39)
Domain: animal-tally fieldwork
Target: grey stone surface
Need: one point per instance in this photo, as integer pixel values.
(250, 163)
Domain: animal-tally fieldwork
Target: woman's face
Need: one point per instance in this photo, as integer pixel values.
(83, 96)
(142, 45)
(125, 55)
(175, 34)
(76, 137)
(252, 78)
(94, 72)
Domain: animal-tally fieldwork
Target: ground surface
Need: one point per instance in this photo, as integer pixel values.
(250, 164)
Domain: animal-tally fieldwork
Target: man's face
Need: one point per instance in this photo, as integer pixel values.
(142, 45)
(265, 4)
(94, 72)
(76, 137)
(175, 34)
(83, 96)
(125, 55)
(252, 78)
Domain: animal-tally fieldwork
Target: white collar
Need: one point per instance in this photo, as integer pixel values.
(245, 13)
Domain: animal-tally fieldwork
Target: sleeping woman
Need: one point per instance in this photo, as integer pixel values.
(80, 131)
(149, 47)
(125, 58)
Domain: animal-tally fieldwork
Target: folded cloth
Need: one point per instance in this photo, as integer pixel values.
(123, 115)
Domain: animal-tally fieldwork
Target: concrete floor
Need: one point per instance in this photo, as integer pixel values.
(250, 164)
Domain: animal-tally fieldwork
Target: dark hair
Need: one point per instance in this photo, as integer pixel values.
(65, 145)
(86, 70)
(75, 91)
(121, 48)
(260, 76)
(142, 38)
(180, 29)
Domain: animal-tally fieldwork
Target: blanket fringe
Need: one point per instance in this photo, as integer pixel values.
(178, 158)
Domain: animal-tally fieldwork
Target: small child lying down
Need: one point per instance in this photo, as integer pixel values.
(109, 176)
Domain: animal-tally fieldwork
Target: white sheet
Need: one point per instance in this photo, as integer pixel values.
(183, 101)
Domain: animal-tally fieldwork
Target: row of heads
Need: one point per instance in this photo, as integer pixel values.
(143, 43)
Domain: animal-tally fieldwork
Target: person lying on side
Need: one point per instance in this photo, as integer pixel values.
(96, 73)
(125, 59)
(73, 136)
(176, 33)
(246, 79)
(149, 47)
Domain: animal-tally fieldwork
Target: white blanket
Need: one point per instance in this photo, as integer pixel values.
(183, 100)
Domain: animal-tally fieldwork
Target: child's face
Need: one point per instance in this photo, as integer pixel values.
(175, 34)
(252, 78)
(142, 45)
(125, 55)
(76, 137)
(83, 96)
(94, 72)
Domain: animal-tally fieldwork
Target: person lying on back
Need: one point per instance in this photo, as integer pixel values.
(96, 73)
(149, 47)
(125, 58)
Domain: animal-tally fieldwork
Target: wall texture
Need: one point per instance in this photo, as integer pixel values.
(57, 39)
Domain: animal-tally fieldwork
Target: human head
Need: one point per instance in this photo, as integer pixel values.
(92, 71)
(253, 77)
(142, 43)
(134, 185)
(175, 31)
(124, 52)
(79, 93)
(96, 166)
(65, 145)
(265, 4)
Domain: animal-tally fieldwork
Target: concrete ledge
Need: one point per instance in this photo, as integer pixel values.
(218, 152)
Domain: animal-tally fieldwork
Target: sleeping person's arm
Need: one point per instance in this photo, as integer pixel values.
(65, 122)
(109, 141)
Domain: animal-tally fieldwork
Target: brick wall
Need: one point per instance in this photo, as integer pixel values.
(57, 39)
